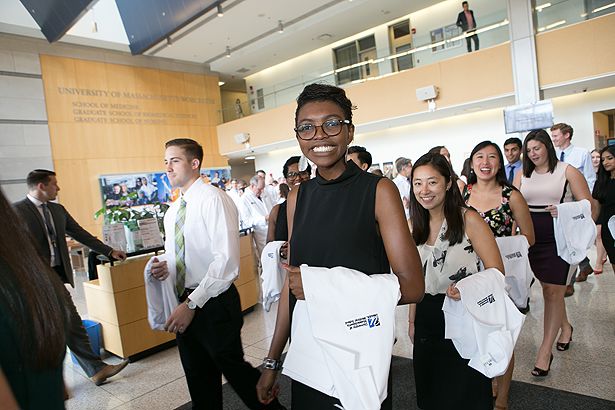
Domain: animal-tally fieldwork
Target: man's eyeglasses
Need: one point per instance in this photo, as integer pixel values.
(331, 128)
(296, 174)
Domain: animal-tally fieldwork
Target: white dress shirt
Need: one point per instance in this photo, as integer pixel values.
(39, 207)
(211, 240)
(403, 185)
(581, 159)
(254, 213)
(270, 196)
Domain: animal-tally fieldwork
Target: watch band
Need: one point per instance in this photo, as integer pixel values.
(191, 305)
(272, 364)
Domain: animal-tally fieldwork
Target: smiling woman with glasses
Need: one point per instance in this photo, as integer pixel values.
(343, 217)
(278, 226)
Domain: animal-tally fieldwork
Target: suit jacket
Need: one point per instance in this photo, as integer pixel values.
(462, 21)
(64, 224)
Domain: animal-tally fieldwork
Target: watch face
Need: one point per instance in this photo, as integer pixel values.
(191, 305)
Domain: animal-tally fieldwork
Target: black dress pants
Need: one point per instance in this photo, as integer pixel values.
(211, 347)
(77, 338)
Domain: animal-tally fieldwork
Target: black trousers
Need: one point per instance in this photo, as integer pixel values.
(211, 347)
(474, 38)
(77, 338)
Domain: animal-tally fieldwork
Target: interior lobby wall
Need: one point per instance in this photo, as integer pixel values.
(112, 119)
(461, 133)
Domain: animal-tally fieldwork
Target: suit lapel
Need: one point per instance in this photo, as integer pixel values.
(37, 215)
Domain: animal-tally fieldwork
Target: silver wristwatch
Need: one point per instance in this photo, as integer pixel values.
(191, 305)
(272, 364)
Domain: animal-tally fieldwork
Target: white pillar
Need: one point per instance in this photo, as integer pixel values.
(523, 50)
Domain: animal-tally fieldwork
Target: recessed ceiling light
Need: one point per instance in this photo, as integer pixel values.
(325, 36)
(221, 83)
(250, 157)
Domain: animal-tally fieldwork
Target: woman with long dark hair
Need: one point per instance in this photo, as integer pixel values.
(503, 208)
(604, 193)
(544, 183)
(33, 320)
(453, 242)
(344, 217)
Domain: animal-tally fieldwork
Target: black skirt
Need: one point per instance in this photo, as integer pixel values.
(443, 378)
(546, 265)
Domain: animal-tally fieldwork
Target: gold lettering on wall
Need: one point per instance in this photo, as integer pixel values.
(114, 119)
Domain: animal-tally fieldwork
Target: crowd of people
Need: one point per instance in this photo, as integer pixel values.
(428, 229)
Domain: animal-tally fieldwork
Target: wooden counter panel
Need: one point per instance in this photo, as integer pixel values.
(248, 293)
(132, 338)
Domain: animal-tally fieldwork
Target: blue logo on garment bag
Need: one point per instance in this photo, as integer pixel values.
(373, 321)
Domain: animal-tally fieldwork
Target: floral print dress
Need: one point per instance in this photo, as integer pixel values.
(500, 219)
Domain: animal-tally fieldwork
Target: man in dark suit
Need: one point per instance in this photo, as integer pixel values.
(467, 22)
(48, 224)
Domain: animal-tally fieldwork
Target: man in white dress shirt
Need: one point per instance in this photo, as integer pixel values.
(201, 229)
(270, 194)
(404, 169)
(581, 159)
(254, 212)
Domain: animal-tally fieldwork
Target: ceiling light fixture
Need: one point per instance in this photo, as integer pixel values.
(250, 157)
(94, 27)
(228, 51)
(542, 7)
(608, 6)
(221, 83)
(169, 42)
(280, 27)
(220, 11)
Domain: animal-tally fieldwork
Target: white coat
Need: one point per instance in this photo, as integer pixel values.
(519, 275)
(574, 229)
(485, 324)
(160, 294)
(343, 333)
(273, 274)
(253, 212)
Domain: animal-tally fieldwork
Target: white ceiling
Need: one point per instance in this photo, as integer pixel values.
(249, 28)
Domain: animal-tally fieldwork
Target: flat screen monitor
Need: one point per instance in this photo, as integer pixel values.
(527, 117)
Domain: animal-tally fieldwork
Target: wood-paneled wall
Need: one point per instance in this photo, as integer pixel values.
(134, 111)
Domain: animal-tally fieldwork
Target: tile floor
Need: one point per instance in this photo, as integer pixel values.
(157, 382)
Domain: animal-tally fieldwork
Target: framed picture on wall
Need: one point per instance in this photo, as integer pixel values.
(452, 31)
(373, 167)
(218, 176)
(144, 188)
(388, 169)
(437, 36)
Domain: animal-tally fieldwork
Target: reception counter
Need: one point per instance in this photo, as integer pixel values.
(117, 300)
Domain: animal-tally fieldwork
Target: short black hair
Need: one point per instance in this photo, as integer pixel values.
(261, 171)
(464, 3)
(513, 140)
(325, 92)
(364, 156)
(293, 160)
(192, 148)
(39, 176)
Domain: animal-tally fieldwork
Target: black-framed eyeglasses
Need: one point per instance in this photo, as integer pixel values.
(330, 127)
(296, 174)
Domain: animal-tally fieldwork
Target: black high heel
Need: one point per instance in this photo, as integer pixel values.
(562, 347)
(538, 372)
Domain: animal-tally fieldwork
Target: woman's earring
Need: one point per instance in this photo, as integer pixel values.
(303, 163)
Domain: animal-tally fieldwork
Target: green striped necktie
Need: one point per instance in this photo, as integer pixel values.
(180, 248)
